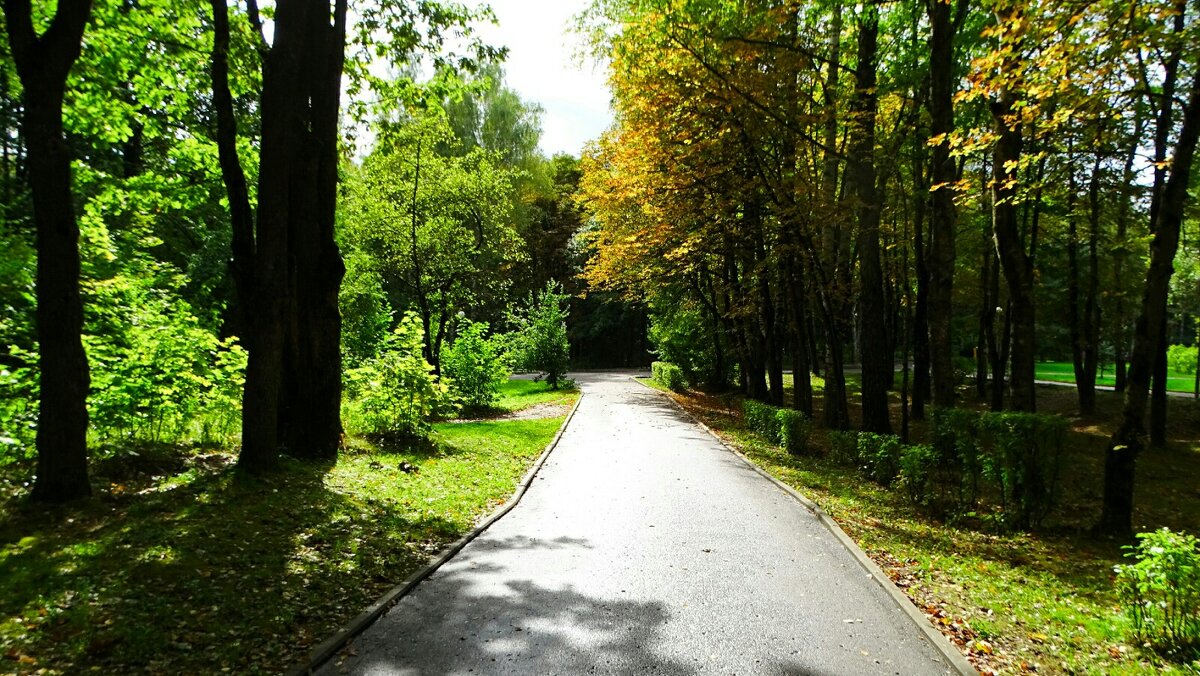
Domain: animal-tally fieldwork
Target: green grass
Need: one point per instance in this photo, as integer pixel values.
(518, 394)
(652, 383)
(179, 565)
(1008, 599)
(1064, 372)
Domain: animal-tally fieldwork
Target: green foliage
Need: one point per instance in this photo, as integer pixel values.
(794, 430)
(681, 336)
(18, 406)
(761, 419)
(918, 467)
(1161, 591)
(954, 482)
(668, 375)
(395, 392)
(539, 340)
(158, 375)
(1024, 459)
(366, 313)
(1182, 359)
(879, 456)
(474, 365)
(843, 447)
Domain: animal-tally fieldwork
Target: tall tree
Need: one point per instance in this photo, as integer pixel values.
(43, 63)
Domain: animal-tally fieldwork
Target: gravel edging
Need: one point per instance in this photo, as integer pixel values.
(330, 646)
(957, 661)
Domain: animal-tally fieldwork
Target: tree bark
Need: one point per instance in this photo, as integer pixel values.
(877, 361)
(310, 408)
(943, 218)
(1016, 264)
(42, 64)
(1116, 516)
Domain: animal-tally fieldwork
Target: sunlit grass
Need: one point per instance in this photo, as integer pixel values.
(190, 568)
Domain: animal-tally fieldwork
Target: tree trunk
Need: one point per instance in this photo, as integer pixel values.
(921, 391)
(877, 361)
(942, 225)
(1116, 516)
(1090, 328)
(1016, 264)
(43, 64)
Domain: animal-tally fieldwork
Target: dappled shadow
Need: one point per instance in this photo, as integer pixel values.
(205, 573)
(473, 618)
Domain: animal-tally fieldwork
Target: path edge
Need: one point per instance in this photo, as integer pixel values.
(956, 659)
(326, 649)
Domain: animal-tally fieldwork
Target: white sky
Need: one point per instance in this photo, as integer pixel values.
(542, 68)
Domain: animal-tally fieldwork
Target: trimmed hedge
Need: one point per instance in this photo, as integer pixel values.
(781, 426)
(668, 375)
(843, 447)
(794, 430)
(1013, 459)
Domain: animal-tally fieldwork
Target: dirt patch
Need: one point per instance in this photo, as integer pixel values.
(535, 412)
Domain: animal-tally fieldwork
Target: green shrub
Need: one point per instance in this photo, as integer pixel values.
(668, 375)
(843, 447)
(918, 469)
(396, 392)
(794, 429)
(761, 419)
(1182, 359)
(1023, 456)
(879, 456)
(955, 480)
(1161, 592)
(539, 341)
(474, 365)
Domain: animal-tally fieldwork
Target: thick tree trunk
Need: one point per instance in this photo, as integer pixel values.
(310, 409)
(42, 65)
(1015, 263)
(877, 361)
(1116, 516)
(942, 225)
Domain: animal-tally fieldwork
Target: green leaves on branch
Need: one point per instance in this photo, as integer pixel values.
(539, 340)
(474, 365)
(396, 392)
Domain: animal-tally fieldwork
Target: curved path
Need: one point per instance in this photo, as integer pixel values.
(645, 546)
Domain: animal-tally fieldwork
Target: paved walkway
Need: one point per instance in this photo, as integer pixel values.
(644, 546)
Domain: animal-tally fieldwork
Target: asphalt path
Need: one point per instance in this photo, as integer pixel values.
(645, 546)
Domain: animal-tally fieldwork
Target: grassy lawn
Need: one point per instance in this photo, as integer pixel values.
(1013, 602)
(179, 565)
(1064, 372)
(518, 394)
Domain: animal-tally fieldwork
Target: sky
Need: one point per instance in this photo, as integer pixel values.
(542, 67)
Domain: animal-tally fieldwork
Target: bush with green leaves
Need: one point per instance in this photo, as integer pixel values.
(843, 447)
(396, 392)
(18, 406)
(1023, 457)
(1160, 592)
(794, 430)
(539, 340)
(668, 375)
(474, 365)
(954, 482)
(682, 335)
(761, 419)
(918, 469)
(879, 456)
(1182, 359)
(163, 377)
